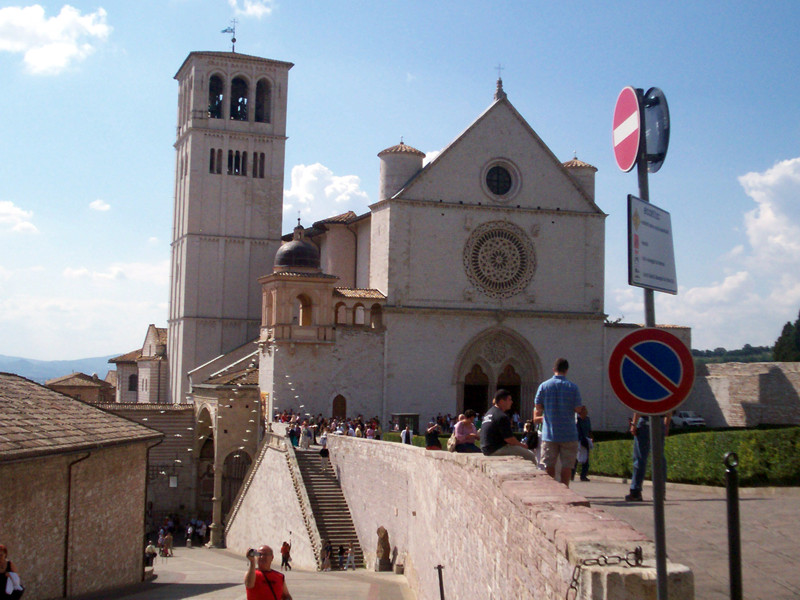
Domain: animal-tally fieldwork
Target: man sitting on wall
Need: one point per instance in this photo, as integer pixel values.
(497, 438)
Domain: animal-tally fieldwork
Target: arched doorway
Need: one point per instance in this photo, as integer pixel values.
(476, 390)
(339, 410)
(233, 472)
(506, 360)
(511, 381)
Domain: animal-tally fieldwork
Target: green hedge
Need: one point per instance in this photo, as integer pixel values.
(766, 457)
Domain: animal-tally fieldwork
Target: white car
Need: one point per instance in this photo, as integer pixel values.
(687, 418)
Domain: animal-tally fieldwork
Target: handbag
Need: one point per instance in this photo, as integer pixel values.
(451, 442)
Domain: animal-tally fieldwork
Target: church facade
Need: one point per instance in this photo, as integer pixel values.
(469, 274)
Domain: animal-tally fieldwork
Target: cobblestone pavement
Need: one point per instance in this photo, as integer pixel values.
(697, 534)
(219, 575)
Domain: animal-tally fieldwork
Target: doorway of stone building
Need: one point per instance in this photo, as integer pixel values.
(476, 390)
(233, 471)
(339, 409)
(510, 380)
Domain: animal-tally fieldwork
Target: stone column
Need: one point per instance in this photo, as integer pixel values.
(215, 540)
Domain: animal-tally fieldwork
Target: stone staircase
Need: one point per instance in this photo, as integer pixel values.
(328, 505)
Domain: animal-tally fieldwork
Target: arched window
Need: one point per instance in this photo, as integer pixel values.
(212, 158)
(133, 383)
(303, 310)
(358, 314)
(244, 164)
(215, 96)
(230, 162)
(219, 161)
(375, 316)
(261, 166)
(263, 101)
(340, 314)
(237, 163)
(238, 99)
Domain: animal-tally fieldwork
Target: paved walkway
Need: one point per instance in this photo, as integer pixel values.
(219, 575)
(697, 534)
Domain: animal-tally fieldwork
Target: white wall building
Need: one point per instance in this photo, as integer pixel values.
(471, 274)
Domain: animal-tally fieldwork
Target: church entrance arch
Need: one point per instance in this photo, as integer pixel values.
(476, 390)
(497, 358)
(339, 409)
(233, 471)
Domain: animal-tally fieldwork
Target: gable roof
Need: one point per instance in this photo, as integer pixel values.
(78, 379)
(501, 103)
(37, 421)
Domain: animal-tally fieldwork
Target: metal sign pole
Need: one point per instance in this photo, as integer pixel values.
(656, 422)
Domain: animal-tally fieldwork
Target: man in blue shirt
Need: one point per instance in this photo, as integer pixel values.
(557, 401)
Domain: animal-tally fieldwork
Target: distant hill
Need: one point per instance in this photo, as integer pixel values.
(42, 370)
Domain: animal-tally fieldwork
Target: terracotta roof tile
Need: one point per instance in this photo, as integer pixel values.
(401, 148)
(127, 357)
(37, 421)
(78, 379)
(359, 293)
(576, 164)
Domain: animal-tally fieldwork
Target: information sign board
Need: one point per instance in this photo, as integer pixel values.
(651, 256)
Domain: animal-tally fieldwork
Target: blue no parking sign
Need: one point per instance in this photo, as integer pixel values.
(651, 371)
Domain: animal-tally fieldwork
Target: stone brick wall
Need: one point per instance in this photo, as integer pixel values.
(106, 520)
(501, 528)
(269, 511)
(747, 394)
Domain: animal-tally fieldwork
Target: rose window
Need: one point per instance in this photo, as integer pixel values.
(499, 259)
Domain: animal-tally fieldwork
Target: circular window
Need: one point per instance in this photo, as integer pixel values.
(498, 180)
(499, 259)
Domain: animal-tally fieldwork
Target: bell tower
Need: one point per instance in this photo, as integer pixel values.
(229, 163)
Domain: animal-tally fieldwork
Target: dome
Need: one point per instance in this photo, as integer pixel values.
(297, 254)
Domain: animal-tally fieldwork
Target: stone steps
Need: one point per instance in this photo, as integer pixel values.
(328, 505)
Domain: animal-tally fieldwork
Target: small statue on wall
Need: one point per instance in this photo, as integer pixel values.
(383, 562)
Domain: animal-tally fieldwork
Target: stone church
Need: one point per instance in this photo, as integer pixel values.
(468, 274)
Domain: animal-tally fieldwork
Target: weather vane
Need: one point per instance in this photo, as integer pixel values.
(232, 31)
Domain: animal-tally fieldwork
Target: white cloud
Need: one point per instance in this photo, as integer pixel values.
(151, 273)
(50, 45)
(13, 218)
(317, 193)
(252, 8)
(100, 205)
(430, 156)
(762, 289)
(152, 240)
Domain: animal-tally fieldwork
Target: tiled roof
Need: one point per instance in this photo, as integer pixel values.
(575, 163)
(358, 293)
(306, 275)
(401, 148)
(127, 357)
(247, 376)
(77, 379)
(37, 421)
(342, 218)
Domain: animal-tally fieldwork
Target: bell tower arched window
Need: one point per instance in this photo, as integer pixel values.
(239, 99)
(216, 87)
(263, 101)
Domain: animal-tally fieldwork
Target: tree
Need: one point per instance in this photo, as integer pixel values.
(787, 346)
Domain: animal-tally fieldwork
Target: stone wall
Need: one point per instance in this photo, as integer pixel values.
(747, 394)
(501, 528)
(105, 521)
(267, 509)
(174, 456)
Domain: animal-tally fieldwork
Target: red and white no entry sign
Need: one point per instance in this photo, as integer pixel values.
(627, 129)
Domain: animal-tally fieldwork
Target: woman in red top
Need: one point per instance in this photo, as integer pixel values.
(263, 583)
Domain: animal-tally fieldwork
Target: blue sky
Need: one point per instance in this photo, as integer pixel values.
(87, 163)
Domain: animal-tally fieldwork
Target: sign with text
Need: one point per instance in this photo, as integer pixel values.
(651, 256)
